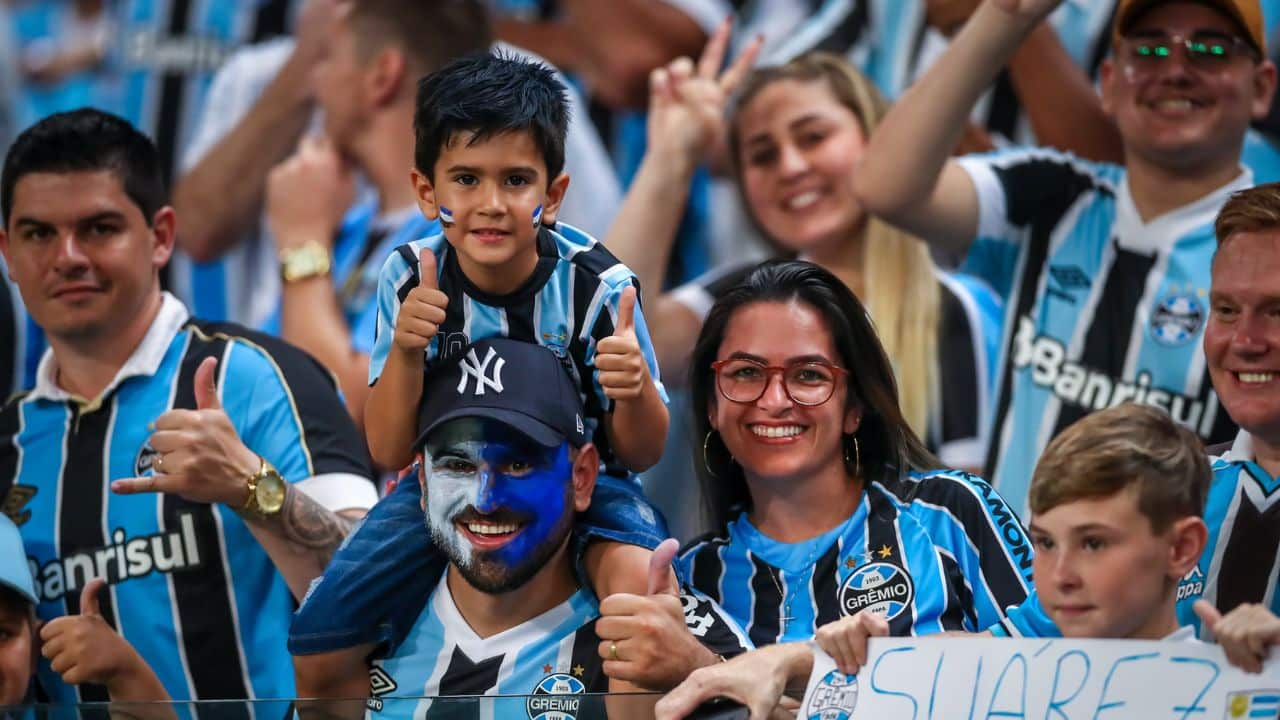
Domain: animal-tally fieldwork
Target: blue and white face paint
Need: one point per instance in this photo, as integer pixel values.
(537, 216)
(498, 504)
(446, 216)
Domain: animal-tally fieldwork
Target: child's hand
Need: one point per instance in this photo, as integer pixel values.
(1245, 634)
(845, 640)
(621, 366)
(423, 309)
(83, 648)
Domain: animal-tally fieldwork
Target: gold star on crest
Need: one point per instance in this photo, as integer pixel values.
(546, 669)
(579, 670)
(850, 563)
(885, 551)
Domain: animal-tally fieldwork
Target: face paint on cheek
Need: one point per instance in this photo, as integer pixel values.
(542, 496)
(537, 216)
(448, 494)
(446, 216)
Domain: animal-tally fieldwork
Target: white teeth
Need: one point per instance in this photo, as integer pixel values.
(1180, 104)
(487, 529)
(1256, 377)
(776, 432)
(803, 200)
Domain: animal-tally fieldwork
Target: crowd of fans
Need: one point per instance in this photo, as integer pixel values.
(376, 349)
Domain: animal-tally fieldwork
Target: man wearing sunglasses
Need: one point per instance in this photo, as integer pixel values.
(1104, 270)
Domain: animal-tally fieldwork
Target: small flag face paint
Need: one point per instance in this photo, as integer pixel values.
(446, 215)
(537, 216)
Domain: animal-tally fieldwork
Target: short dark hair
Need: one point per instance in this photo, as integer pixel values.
(86, 140)
(887, 444)
(13, 602)
(430, 32)
(490, 94)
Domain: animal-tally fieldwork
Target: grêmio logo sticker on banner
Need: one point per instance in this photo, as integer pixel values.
(966, 678)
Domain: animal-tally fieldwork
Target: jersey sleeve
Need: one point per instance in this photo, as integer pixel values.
(1026, 620)
(292, 416)
(977, 532)
(398, 276)
(712, 625)
(1021, 193)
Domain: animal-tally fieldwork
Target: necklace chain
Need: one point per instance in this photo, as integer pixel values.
(786, 598)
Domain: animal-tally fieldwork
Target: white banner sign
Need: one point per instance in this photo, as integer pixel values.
(986, 679)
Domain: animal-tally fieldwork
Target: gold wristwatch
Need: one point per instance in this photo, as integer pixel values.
(266, 491)
(305, 261)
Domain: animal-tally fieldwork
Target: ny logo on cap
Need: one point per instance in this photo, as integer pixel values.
(473, 367)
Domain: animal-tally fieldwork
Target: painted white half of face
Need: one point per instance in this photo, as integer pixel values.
(451, 490)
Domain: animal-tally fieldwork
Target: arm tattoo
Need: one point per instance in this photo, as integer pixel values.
(307, 524)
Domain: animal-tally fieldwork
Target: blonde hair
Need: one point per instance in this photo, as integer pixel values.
(1249, 210)
(900, 285)
(1127, 446)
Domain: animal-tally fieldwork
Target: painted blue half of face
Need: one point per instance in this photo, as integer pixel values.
(498, 472)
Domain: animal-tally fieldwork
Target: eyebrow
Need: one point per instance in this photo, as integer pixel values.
(798, 122)
(1156, 33)
(794, 360)
(515, 169)
(96, 217)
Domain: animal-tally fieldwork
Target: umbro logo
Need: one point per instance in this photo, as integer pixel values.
(1067, 279)
(380, 683)
(487, 373)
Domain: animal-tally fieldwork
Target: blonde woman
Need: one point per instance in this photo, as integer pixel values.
(794, 136)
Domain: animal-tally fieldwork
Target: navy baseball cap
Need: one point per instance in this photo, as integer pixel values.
(522, 385)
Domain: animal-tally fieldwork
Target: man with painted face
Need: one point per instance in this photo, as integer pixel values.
(505, 464)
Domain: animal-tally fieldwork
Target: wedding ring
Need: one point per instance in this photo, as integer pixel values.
(155, 464)
(613, 651)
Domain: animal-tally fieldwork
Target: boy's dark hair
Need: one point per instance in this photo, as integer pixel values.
(490, 94)
(430, 32)
(1127, 446)
(86, 140)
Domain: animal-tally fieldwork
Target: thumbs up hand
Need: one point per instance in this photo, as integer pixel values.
(622, 371)
(646, 639)
(198, 454)
(83, 648)
(422, 311)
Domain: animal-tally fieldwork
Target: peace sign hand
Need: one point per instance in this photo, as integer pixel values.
(687, 102)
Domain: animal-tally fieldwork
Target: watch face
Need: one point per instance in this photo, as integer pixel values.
(270, 492)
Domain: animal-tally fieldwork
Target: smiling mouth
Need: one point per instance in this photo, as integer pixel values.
(776, 431)
(488, 532)
(802, 201)
(1255, 378)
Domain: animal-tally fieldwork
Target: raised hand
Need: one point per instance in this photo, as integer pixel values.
(308, 194)
(1036, 9)
(83, 648)
(756, 679)
(619, 362)
(687, 102)
(199, 455)
(423, 310)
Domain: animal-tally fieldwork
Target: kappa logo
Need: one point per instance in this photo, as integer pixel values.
(880, 587)
(473, 367)
(15, 503)
(834, 698)
(1191, 585)
(557, 697)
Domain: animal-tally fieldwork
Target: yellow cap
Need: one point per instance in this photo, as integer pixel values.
(1246, 13)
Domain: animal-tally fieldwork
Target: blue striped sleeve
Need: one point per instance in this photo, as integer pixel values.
(392, 279)
(1028, 619)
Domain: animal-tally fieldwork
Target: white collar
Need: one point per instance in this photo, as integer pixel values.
(507, 641)
(1164, 230)
(145, 360)
(1241, 448)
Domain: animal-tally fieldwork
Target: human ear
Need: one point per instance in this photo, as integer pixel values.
(1188, 537)
(422, 480)
(425, 191)
(1264, 87)
(386, 76)
(853, 419)
(555, 197)
(586, 466)
(164, 227)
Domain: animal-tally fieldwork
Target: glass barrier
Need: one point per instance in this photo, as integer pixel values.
(550, 705)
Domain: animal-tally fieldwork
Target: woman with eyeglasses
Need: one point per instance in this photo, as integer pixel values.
(824, 500)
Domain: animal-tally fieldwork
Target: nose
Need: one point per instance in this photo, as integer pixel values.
(792, 160)
(486, 496)
(774, 398)
(491, 203)
(1250, 334)
(71, 256)
(1064, 575)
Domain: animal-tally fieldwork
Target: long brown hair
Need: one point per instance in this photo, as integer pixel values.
(900, 285)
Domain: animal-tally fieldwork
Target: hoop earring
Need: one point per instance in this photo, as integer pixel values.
(706, 462)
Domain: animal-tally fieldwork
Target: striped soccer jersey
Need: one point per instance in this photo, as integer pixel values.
(1241, 559)
(1100, 307)
(968, 337)
(188, 585)
(568, 305)
(944, 564)
(554, 654)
